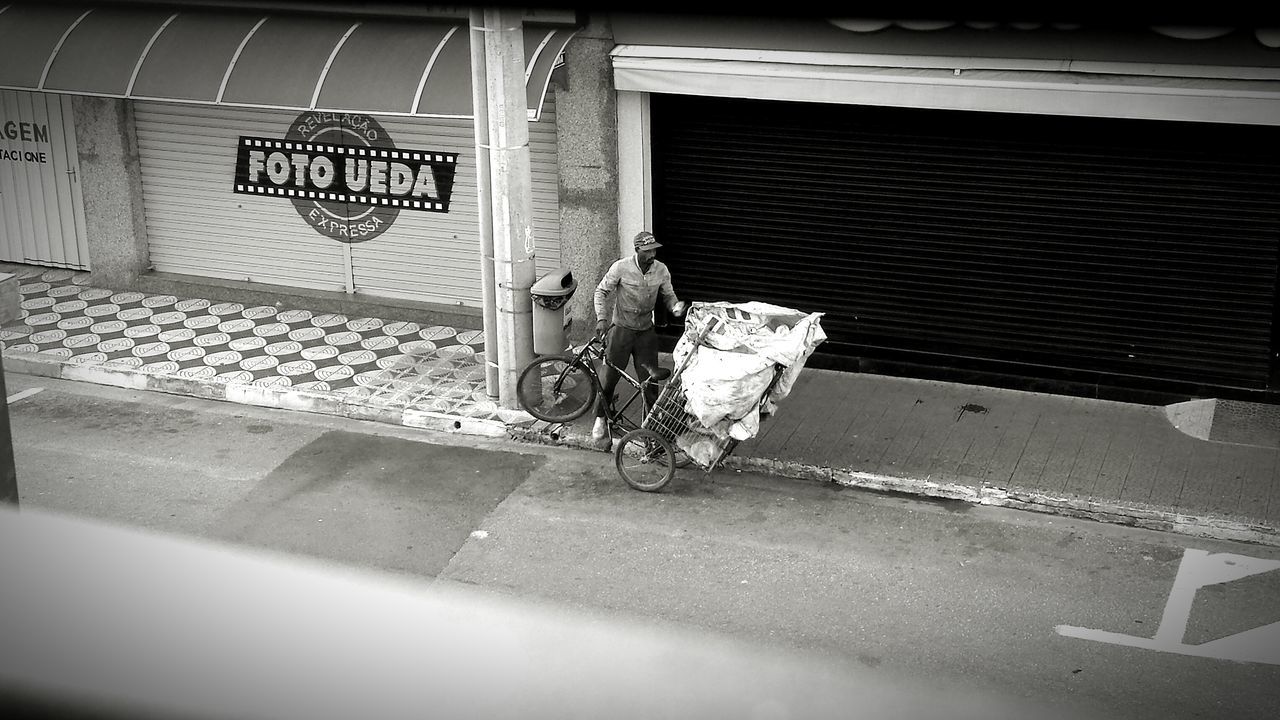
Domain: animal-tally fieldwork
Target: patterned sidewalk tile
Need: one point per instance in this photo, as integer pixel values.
(382, 363)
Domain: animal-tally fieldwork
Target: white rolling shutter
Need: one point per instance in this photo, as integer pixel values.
(439, 253)
(197, 226)
(41, 205)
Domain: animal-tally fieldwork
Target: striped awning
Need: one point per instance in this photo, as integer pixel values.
(408, 67)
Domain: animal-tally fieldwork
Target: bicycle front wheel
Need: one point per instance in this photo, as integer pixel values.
(556, 389)
(645, 460)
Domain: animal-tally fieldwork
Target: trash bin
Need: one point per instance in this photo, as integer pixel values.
(550, 293)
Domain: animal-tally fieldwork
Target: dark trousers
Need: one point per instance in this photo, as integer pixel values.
(621, 346)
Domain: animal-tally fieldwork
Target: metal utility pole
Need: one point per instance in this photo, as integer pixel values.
(511, 199)
(8, 471)
(480, 111)
(10, 309)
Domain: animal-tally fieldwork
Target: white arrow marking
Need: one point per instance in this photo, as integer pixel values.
(1199, 569)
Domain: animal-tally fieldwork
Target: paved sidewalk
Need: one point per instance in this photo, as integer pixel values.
(1204, 468)
(363, 367)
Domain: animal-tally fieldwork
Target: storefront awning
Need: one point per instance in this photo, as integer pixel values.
(418, 68)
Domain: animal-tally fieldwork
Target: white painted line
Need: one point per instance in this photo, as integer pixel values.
(1200, 568)
(23, 395)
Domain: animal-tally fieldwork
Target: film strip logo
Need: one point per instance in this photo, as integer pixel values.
(344, 175)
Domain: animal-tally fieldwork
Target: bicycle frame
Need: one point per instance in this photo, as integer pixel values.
(594, 351)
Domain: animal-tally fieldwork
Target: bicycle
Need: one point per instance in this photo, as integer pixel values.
(562, 388)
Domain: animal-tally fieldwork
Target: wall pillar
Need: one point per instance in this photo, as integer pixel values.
(111, 183)
(587, 146)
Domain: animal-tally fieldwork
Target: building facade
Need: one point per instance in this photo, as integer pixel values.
(259, 149)
(1080, 208)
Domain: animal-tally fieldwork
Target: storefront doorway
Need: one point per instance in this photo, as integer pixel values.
(41, 207)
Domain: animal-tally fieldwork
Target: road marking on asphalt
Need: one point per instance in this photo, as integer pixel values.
(23, 395)
(1198, 569)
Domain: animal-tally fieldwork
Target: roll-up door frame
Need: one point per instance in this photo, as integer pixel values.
(1110, 90)
(1097, 89)
(1249, 96)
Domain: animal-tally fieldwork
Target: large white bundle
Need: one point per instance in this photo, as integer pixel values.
(726, 378)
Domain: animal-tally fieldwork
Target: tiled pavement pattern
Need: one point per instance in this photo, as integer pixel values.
(389, 364)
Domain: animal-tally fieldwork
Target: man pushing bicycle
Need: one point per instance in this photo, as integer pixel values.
(636, 282)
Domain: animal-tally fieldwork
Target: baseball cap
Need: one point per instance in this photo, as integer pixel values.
(645, 241)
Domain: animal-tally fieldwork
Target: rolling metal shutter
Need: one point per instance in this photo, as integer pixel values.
(41, 202)
(1042, 245)
(197, 226)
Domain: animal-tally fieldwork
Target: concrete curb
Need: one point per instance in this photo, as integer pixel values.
(1131, 514)
(279, 397)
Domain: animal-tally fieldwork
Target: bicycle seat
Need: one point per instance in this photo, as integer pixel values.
(659, 374)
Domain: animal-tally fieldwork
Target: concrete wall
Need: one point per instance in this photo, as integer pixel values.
(587, 140)
(111, 181)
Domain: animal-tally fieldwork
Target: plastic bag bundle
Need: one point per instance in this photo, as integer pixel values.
(726, 379)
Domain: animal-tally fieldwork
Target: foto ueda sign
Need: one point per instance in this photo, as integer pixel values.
(348, 191)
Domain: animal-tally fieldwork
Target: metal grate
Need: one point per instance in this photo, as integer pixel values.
(1126, 248)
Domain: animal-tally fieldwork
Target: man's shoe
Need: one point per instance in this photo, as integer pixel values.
(600, 430)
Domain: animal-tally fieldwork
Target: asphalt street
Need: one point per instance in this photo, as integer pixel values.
(1038, 612)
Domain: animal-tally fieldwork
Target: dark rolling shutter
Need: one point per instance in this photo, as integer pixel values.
(1130, 249)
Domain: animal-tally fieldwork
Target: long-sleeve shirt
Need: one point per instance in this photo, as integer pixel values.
(636, 292)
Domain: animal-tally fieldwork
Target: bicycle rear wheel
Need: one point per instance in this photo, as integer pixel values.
(645, 460)
(556, 389)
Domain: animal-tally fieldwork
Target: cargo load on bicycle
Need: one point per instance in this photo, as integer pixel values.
(734, 363)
